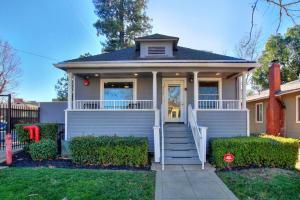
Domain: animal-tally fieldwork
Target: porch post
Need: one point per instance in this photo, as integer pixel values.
(154, 90)
(244, 90)
(196, 92)
(70, 88)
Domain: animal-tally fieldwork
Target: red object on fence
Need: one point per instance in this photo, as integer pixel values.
(8, 143)
(228, 157)
(34, 132)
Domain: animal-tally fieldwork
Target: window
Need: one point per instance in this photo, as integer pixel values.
(259, 112)
(156, 50)
(209, 90)
(118, 89)
(297, 109)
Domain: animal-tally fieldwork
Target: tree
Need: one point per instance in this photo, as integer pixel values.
(120, 21)
(285, 9)
(85, 55)
(10, 71)
(285, 49)
(61, 88)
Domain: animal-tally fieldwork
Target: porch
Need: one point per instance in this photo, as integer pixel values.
(140, 103)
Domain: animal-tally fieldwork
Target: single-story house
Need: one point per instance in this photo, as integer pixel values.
(155, 89)
(276, 110)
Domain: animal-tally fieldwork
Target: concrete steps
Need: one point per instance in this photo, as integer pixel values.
(179, 145)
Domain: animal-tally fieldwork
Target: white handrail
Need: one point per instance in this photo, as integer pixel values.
(162, 138)
(113, 104)
(219, 104)
(199, 135)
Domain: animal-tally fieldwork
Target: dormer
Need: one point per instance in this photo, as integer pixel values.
(156, 46)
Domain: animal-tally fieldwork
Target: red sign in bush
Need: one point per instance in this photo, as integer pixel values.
(228, 157)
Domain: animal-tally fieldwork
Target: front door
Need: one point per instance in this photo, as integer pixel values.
(174, 99)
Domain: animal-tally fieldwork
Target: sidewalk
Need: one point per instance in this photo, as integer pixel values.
(180, 182)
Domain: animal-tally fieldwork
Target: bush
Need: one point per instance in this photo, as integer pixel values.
(262, 151)
(43, 150)
(110, 151)
(47, 131)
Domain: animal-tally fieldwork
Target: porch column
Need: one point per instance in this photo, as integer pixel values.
(196, 90)
(244, 93)
(70, 88)
(154, 90)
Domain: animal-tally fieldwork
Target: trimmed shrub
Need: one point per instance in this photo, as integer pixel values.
(43, 150)
(47, 131)
(109, 151)
(262, 151)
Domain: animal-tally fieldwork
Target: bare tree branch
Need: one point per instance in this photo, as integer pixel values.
(284, 10)
(9, 68)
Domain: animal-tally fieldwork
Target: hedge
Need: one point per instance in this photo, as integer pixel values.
(109, 151)
(262, 151)
(47, 131)
(45, 149)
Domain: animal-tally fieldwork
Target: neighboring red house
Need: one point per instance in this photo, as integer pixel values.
(276, 111)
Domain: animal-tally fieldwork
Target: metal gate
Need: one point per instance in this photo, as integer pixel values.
(12, 114)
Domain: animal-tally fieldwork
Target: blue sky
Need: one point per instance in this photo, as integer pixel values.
(63, 29)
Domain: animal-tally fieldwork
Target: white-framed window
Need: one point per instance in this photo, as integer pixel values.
(259, 112)
(298, 109)
(210, 88)
(118, 89)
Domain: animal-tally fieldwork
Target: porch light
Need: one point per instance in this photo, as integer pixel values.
(96, 75)
(218, 73)
(126, 86)
(135, 74)
(177, 74)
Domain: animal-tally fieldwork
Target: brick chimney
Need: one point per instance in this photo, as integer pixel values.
(274, 109)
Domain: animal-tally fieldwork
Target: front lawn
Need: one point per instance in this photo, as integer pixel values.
(70, 184)
(263, 183)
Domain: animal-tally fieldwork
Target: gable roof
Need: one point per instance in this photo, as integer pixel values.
(286, 88)
(156, 36)
(182, 53)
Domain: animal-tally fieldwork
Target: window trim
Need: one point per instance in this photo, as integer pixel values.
(133, 80)
(262, 112)
(297, 109)
(219, 80)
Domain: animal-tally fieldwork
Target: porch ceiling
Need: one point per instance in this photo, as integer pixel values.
(160, 74)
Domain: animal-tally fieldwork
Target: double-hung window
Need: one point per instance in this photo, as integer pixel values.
(209, 93)
(259, 112)
(298, 109)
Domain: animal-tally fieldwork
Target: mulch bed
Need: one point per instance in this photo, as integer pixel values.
(23, 159)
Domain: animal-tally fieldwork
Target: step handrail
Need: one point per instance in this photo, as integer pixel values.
(162, 137)
(199, 135)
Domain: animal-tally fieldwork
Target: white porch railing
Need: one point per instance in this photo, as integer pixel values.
(113, 105)
(162, 137)
(219, 104)
(199, 134)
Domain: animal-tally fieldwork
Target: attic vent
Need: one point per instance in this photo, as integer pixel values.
(157, 50)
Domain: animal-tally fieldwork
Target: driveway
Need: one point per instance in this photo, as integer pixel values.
(189, 182)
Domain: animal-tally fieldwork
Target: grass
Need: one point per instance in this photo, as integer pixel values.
(263, 183)
(72, 184)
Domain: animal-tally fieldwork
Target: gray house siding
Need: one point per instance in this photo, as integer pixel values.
(223, 123)
(121, 123)
(53, 112)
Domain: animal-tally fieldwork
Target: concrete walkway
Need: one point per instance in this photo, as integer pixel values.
(189, 182)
